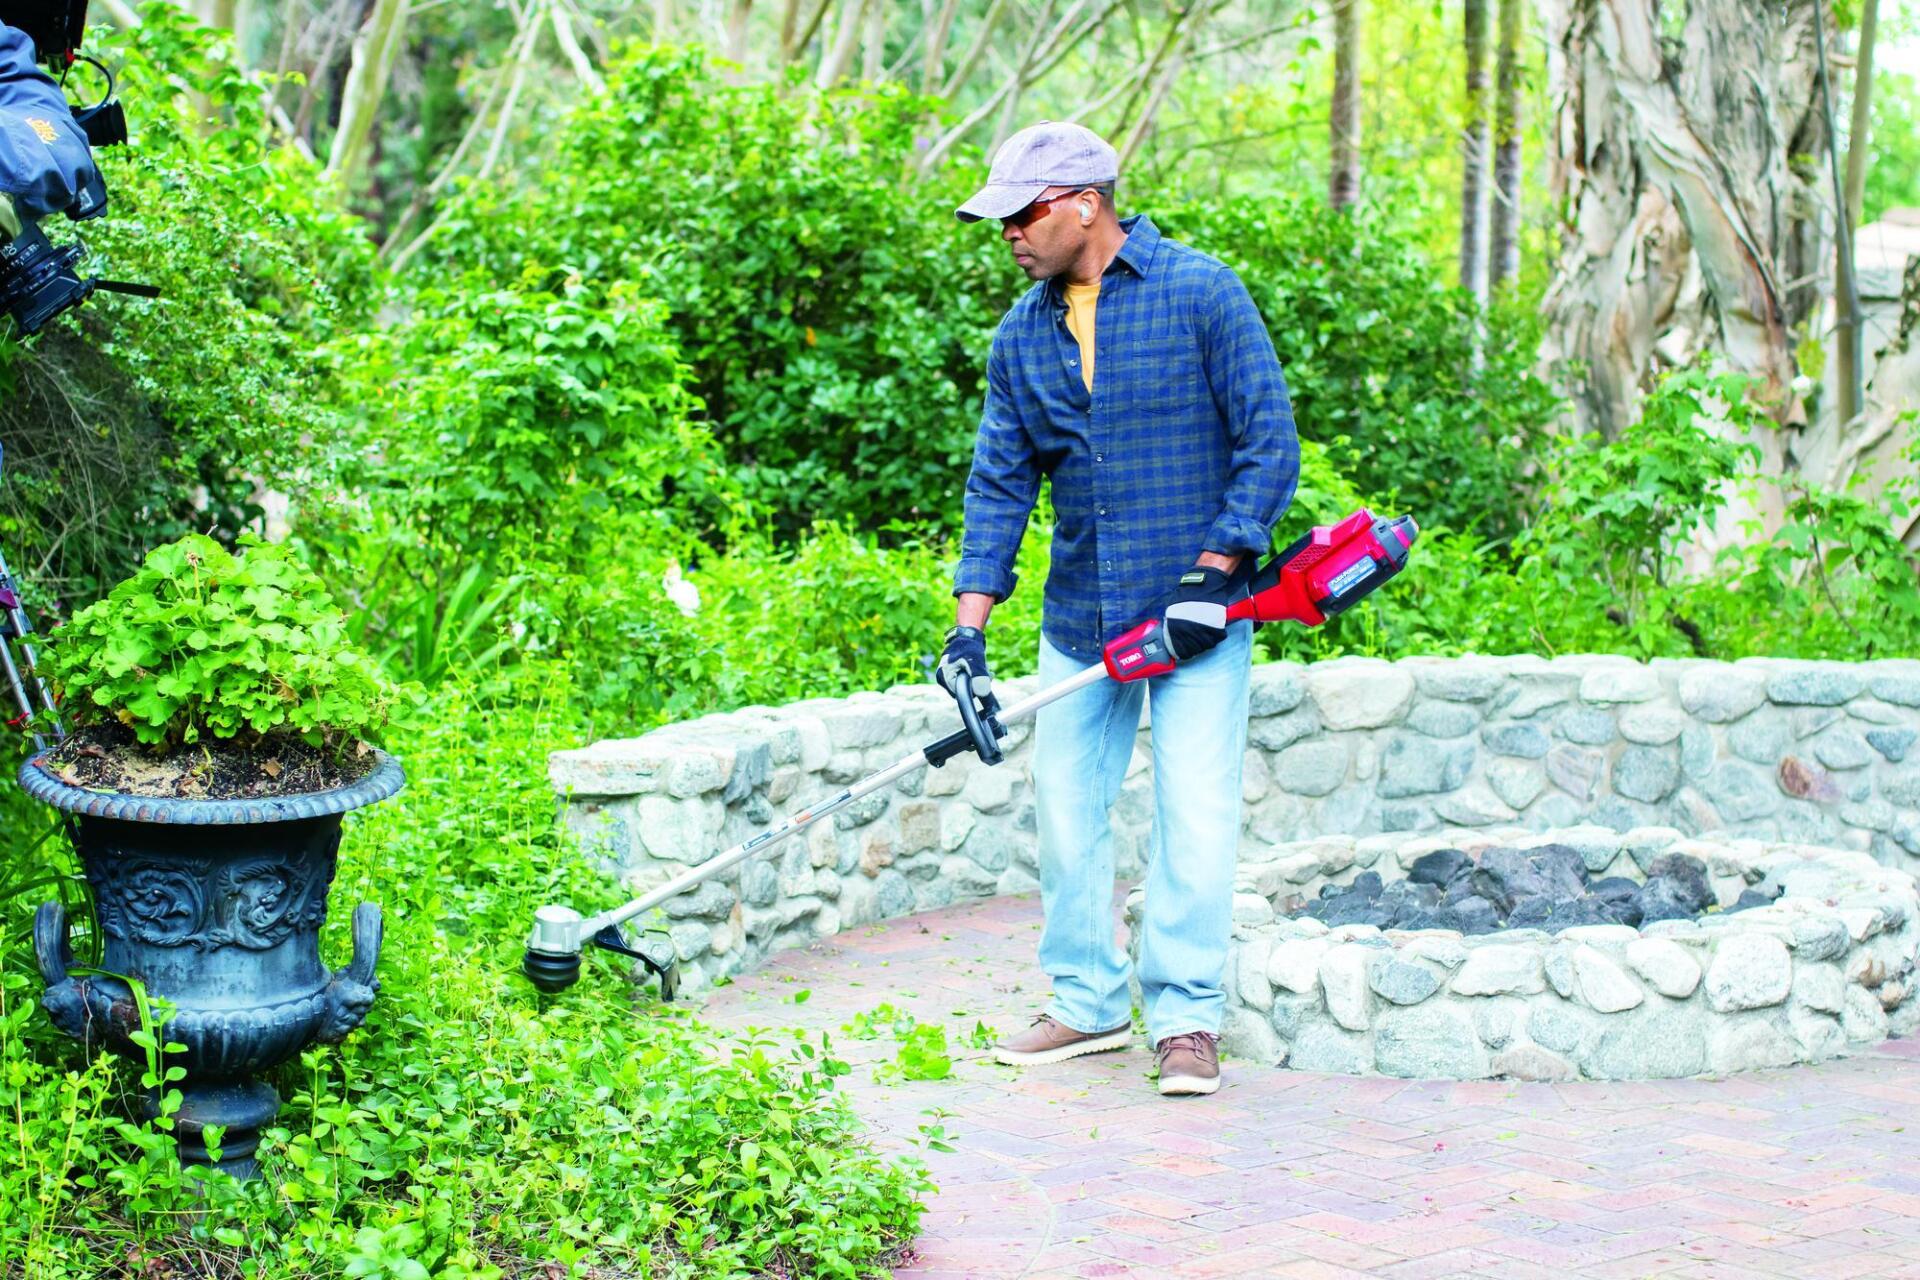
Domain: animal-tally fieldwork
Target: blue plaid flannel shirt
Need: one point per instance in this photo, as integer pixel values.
(1185, 445)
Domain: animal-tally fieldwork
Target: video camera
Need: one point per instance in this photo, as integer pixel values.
(39, 280)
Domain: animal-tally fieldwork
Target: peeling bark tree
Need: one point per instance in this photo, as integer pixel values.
(1473, 148)
(1343, 183)
(1503, 238)
(1687, 226)
(1847, 348)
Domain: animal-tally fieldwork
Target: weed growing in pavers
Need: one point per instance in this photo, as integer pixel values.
(922, 1052)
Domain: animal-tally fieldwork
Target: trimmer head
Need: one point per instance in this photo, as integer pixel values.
(550, 973)
(552, 958)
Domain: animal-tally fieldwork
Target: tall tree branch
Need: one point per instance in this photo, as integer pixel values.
(374, 51)
(1503, 237)
(520, 53)
(563, 35)
(1138, 134)
(934, 47)
(971, 58)
(838, 56)
(1343, 180)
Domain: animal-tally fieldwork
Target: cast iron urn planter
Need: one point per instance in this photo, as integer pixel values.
(216, 906)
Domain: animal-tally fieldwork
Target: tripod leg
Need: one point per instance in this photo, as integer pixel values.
(23, 672)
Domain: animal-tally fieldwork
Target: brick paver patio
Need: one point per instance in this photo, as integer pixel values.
(1082, 1170)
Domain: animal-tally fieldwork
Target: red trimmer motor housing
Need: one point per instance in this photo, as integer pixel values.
(1324, 573)
(1328, 570)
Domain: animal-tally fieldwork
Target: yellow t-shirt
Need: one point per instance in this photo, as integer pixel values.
(1081, 301)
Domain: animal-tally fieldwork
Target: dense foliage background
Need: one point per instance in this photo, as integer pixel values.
(675, 419)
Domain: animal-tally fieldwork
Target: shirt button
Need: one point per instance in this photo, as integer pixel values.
(1099, 457)
(1103, 511)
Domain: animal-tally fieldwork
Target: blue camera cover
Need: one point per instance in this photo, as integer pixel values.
(45, 161)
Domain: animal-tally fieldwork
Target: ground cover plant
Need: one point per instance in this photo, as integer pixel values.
(471, 1129)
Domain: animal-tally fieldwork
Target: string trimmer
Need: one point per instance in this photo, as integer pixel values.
(1324, 573)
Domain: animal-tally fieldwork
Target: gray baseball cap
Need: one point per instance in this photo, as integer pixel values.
(1048, 154)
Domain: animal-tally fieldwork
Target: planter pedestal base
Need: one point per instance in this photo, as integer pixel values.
(244, 1107)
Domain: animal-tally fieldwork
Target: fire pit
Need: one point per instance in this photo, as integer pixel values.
(1568, 954)
(1545, 887)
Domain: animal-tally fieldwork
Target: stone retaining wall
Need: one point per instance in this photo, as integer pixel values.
(1826, 967)
(1821, 753)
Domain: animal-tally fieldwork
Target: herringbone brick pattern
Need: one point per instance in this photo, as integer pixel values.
(1081, 1170)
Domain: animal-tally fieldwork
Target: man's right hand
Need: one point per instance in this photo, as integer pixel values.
(966, 651)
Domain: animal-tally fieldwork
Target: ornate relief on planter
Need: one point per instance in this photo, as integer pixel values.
(216, 907)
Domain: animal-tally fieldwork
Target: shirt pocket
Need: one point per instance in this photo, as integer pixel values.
(1172, 380)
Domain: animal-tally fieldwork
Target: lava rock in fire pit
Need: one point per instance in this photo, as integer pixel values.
(1541, 888)
(1661, 898)
(1472, 914)
(1756, 896)
(1620, 894)
(1439, 868)
(1689, 875)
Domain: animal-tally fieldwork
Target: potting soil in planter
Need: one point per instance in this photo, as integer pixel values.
(108, 758)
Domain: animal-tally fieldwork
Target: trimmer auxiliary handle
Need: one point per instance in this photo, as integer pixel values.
(1319, 576)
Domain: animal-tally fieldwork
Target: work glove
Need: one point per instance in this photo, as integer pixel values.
(966, 651)
(1204, 585)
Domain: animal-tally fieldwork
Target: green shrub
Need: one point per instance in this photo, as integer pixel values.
(1598, 569)
(1379, 356)
(1603, 555)
(834, 314)
(131, 422)
(837, 322)
(521, 453)
(1835, 580)
(201, 643)
(502, 421)
(834, 613)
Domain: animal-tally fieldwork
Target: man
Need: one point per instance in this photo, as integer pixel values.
(1138, 375)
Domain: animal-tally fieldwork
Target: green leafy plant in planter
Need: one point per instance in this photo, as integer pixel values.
(201, 644)
(224, 727)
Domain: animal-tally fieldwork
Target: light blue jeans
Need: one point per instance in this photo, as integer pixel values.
(1082, 744)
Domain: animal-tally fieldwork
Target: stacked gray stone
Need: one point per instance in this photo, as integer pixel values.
(1817, 752)
(1826, 967)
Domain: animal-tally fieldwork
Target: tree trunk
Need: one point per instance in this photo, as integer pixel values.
(374, 51)
(1343, 183)
(1689, 227)
(837, 57)
(1503, 237)
(874, 52)
(935, 47)
(1473, 177)
(738, 14)
(1847, 348)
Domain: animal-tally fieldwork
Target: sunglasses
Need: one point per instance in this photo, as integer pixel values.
(1037, 210)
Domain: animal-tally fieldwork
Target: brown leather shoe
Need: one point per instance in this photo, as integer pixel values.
(1048, 1040)
(1189, 1063)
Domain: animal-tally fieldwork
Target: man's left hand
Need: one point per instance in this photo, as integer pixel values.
(1205, 583)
